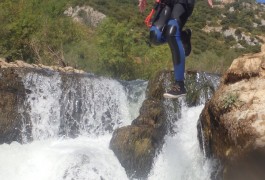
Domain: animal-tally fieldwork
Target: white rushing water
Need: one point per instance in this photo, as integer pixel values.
(181, 157)
(83, 158)
(51, 156)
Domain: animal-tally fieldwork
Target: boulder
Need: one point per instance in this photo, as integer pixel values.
(231, 127)
(136, 145)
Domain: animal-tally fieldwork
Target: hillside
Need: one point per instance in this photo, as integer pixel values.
(40, 32)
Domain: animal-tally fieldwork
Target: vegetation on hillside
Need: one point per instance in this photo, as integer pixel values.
(37, 31)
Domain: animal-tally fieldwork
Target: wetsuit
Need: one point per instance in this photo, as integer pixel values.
(167, 27)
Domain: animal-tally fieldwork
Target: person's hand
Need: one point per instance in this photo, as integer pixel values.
(210, 3)
(142, 5)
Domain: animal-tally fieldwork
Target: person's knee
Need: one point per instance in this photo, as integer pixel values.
(156, 36)
(172, 29)
(173, 35)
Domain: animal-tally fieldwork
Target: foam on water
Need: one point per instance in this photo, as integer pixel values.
(56, 159)
(181, 157)
(90, 157)
(93, 104)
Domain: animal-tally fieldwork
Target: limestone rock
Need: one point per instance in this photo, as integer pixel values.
(228, 1)
(22, 64)
(85, 14)
(232, 124)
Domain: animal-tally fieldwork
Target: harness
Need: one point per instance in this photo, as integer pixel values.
(157, 8)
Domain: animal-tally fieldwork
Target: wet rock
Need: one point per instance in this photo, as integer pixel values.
(12, 96)
(136, 145)
(232, 124)
(15, 122)
(200, 87)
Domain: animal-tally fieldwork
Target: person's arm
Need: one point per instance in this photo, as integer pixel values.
(142, 5)
(210, 3)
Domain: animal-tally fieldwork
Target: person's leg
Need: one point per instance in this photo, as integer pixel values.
(178, 19)
(157, 36)
(186, 34)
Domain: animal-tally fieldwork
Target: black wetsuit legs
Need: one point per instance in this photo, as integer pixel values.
(167, 28)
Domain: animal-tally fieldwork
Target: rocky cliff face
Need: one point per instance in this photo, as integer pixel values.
(86, 15)
(232, 124)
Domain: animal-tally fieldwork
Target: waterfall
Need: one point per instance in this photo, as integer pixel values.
(86, 105)
(181, 157)
(72, 118)
(44, 104)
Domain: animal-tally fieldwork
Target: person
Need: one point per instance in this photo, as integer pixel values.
(166, 22)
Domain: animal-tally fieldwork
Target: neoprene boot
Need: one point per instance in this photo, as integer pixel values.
(186, 41)
(177, 90)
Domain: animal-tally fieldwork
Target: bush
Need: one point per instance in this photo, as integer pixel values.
(36, 31)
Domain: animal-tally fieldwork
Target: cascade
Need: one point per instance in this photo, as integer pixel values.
(71, 123)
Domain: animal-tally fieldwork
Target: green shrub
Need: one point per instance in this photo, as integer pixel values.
(36, 31)
(230, 100)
